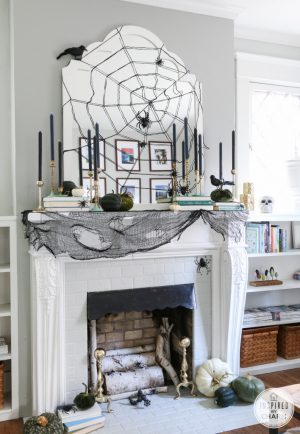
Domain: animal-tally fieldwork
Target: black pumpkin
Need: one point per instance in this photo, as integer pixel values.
(220, 195)
(85, 399)
(225, 397)
(111, 202)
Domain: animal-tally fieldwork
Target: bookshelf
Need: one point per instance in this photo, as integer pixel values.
(9, 316)
(285, 263)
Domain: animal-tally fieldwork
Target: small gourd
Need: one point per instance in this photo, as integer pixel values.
(211, 375)
(225, 396)
(46, 423)
(84, 400)
(248, 387)
(111, 202)
(126, 201)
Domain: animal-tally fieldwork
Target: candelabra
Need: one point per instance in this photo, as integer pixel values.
(52, 167)
(234, 187)
(40, 208)
(201, 177)
(184, 344)
(96, 207)
(99, 354)
(174, 181)
(90, 174)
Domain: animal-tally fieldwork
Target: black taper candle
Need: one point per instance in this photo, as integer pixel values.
(97, 144)
(183, 160)
(174, 144)
(233, 150)
(90, 151)
(186, 138)
(200, 155)
(80, 164)
(220, 161)
(60, 164)
(196, 148)
(95, 159)
(51, 137)
(40, 156)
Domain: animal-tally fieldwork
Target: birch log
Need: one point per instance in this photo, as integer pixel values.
(121, 382)
(128, 362)
(134, 350)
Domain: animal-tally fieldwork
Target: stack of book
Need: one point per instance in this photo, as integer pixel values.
(195, 202)
(255, 315)
(81, 421)
(64, 203)
(264, 237)
(261, 315)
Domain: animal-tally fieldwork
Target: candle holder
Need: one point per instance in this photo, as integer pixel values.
(184, 344)
(201, 177)
(197, 178)
(99, 354)
(174, 182)
(234, 187)
(52, 167)
(60, 191)
(40, 208)
(90, 174)
(96, 207)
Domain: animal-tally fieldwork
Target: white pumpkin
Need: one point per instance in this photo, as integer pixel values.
(214, 373)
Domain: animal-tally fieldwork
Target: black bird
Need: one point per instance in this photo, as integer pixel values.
(219, 182)
(76, 52)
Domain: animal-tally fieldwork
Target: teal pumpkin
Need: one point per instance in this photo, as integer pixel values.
(220, 195)
(225, 396)
(248, 387)
(111, 202)
(84, 400)
(46, 423)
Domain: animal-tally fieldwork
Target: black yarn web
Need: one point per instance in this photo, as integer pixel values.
(149, 96)
(88, 235)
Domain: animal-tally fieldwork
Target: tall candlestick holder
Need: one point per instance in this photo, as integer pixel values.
(201, 178)
(90, 175)
(60, 190)
(96, 207)
(197, 179)
(184, 344)
(52, 170)
(234, 187)
(40, 208)
(174, 181)
(99, 354)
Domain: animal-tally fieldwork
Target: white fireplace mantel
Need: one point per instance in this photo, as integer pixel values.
(52, 314)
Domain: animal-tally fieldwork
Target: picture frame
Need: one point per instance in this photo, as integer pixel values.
(127, 155)
(85, 154)
(160, 156)
(102, 186)
(159, 188)
(132, 186)
(296, 235)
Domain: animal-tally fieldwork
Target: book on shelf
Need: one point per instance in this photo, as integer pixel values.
(67, 209)
(194, 207)
(228, 206)
(61, 198)
(264, 237)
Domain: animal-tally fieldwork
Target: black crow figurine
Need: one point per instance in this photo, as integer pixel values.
(76, 52)
(219, 182)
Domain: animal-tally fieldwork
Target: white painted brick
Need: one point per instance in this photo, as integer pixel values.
(153, 269)
(174, 267)
(143, 281)
(122, 283)
(99, 285)
(132, 270)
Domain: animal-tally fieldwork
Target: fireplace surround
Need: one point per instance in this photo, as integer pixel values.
(59, 288)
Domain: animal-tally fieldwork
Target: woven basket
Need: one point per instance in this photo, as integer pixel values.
(1, 384)
(259, 346)
(289, 341)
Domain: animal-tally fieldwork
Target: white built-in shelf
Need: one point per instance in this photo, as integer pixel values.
(292, 252)
(5, 310)
(7, 404)
(271, 323)
(270, 217)
(279, 365)
(287, 284)
(4, 268)
(4, 357)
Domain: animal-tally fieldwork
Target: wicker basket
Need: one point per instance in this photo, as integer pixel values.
(259, 346)
(289, 341)
(1, 384)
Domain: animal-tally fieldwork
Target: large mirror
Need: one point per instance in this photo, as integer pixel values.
(135, 89)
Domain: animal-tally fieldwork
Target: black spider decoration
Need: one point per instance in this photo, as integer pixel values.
(83, 203)
(203, 263)
(159, 61)
(142, 145)
(140, 397)
(143, 121)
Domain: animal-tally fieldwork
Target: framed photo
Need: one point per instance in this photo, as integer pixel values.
(85, 154)
(132, 186)
(127, 155)
(102, 186)
(160, 156)
(159, 188)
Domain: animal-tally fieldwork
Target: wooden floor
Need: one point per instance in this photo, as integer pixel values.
(276, 379)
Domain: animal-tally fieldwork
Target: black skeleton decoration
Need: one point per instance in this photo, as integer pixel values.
(203, 263)
(139, 397)
(143, 121)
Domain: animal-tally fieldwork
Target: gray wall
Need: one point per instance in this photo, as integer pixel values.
(44, 28)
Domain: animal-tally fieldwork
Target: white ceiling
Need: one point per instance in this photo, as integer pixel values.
(266, 20)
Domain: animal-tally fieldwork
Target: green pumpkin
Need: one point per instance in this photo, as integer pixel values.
(111, 202)
(46, 423)
(248, 387)
(225, 396)
(85, 399)
(68, 187)
(126, 202)
(220, 195)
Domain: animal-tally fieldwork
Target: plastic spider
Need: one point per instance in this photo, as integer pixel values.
(143, 121)
(203, 263)
(159, 61)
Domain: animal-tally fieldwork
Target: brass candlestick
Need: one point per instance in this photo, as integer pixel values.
(197, 181)
(40, 208)
(174, 181)
(96, 207)
(184, 344)
(99, 395)
(201, 177)
(60, 190)
(90, 174)
(187, 175)
(234, 187)
(52, 167)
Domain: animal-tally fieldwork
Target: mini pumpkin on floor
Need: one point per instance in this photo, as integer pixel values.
(46, 423)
